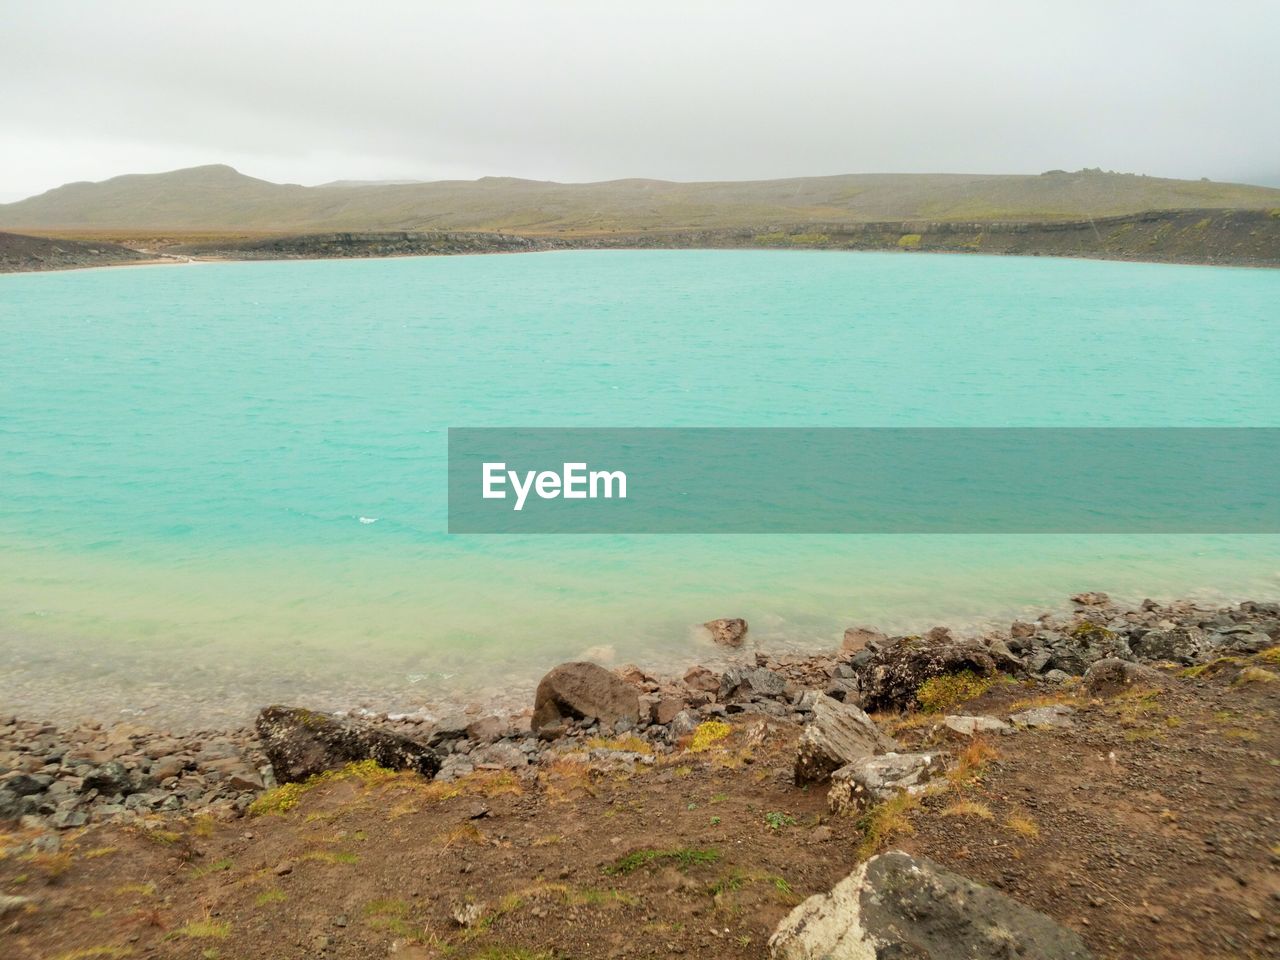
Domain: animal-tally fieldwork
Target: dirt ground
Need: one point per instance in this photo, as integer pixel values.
(1151, 826)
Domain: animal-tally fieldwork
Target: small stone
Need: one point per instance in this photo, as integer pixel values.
(861, 638)
(973, 726)
(467, 914)
(8, 904)
(1093, 598)
(283, 868)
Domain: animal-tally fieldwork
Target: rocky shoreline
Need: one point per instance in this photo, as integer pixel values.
(23, 254)
(65, 777)
(1192, 236)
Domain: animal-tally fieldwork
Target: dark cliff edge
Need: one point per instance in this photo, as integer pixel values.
(1237, 237)
(21, 254)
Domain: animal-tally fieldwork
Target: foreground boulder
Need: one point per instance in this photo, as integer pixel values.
(873, 779)
(1112, 676)
(301, 743)
(583, 691)
(838, 734)
(890, 678)
(727, 631)
(895, 907)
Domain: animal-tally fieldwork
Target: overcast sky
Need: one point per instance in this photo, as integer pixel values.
(597, 89)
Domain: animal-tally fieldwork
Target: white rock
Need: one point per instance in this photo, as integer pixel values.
(972, 726)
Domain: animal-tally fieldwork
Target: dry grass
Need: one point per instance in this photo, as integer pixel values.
(205, 929)
(884, 821)
(460, 835)
(567, 778)
(969, 808)
(970, 763)
(1043, 700)
(1256, 675)
(1023, 827)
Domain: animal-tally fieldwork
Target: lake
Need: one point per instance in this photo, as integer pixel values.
(224, 484)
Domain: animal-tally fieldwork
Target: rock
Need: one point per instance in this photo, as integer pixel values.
(683, 724)
(871, 779)
(1083, 644)
(300, 743)
(837, 734)
(245, 781)
(28, 784)
(1241, 642)
(895, 907)
(664, 711)
(636, 677)
(1004, 657)
(8, 904)
(283, 868)
(165, 767)
(447, 729)
(109, 779)
(467, 914)
(862, 638)
(1111, 676)
(582, 690)
(939, 635)
(69, 819)
(973, 726)
(1180, 644)
(500, 756)
(1057, 715)
(727, 632)
(1021, 629)
(889, 680)
(840, 689)
(1093, 598)
(700, 678)
(740, 681)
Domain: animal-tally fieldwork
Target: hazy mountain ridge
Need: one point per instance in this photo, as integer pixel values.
(217, 197)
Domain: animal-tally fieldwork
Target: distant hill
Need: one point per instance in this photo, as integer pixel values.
(219, 198)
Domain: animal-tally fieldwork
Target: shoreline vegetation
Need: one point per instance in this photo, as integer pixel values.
(1098, 782)
(1201, 236)
(216, 212)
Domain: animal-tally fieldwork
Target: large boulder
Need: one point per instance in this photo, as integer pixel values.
(583, 691)
(1179, 644)
(837, 734)
(1111, 676)
(301, 743)
(890, 678)
(896, 906)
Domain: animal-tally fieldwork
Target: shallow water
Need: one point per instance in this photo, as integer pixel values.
(187, 453)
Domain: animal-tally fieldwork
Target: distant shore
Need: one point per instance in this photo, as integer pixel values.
(1206, 237)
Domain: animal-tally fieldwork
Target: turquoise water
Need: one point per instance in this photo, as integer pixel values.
(187, 453)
